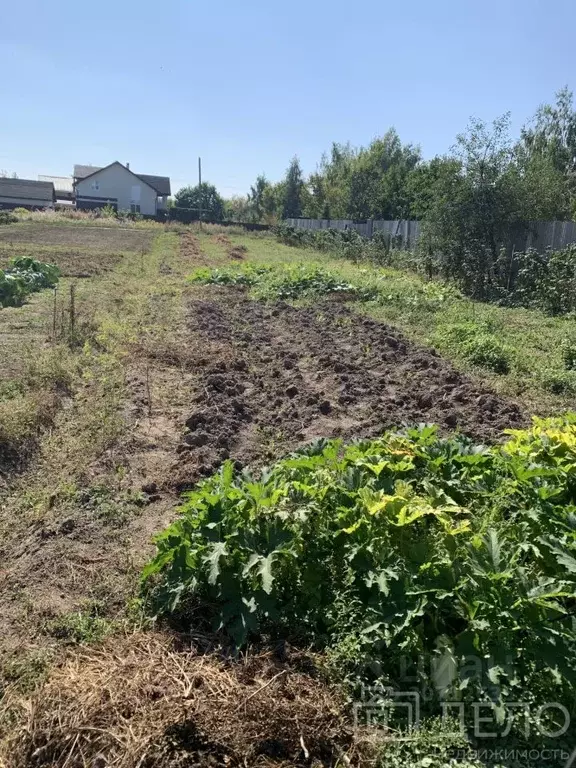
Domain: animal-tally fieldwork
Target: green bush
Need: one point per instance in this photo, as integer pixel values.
(559, 382)
(293, 281)
(25, 276)
(568, 349)
(347, 243)
(6, 217)
(547, 281)
(409, 547)
(476, 344)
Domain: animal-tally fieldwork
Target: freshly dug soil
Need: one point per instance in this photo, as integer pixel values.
(271, 376)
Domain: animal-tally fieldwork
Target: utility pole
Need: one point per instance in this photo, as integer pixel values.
(200, 190)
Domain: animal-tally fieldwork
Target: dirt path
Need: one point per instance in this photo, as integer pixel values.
(273, 376)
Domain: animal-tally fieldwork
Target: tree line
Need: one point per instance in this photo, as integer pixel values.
(529, 177)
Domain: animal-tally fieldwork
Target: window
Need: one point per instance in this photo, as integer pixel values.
(134, 208)
(95, 186)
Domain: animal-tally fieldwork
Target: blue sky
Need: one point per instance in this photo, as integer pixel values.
(247, 85)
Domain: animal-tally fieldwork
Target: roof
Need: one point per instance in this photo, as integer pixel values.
(160, 183)
(27, 189)
(81, 171)
(61, 183)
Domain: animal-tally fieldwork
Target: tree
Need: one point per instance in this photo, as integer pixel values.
(256, 197)
(553, 133)
(238, 208)
(425, 180)
(202, 197)
(476, 202)
(378, 179)
(292, 193)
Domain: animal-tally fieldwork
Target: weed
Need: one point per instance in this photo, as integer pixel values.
(477, 345)
(115, 508)
(81, 627)
(24, 671)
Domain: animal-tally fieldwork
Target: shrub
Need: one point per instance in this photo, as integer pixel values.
(6, 217)
(347, 243)
(547, 281)
(25, 276)
(568, 349)
(407, 548)
(477, 345)
(559, 382)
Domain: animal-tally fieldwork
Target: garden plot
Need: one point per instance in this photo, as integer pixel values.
(271, 376)
(113, 239)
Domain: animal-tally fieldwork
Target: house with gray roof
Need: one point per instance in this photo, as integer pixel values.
(26, 193)
(118, 186)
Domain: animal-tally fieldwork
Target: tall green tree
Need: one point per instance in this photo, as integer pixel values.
(204, 199)
(256, 197)
(379, 176)
(552, 133)
(293, 190)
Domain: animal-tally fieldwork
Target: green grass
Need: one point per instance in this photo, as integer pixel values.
(429, 311)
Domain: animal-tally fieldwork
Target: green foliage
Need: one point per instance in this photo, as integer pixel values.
(288, 281)
(82, 627)
(201, 201)
(409, 547)
(25, 276)
(568, 349)
(348, 243)
(292, 191)
(559, 382)
(476, 344)
(6, 217)
(546, 281)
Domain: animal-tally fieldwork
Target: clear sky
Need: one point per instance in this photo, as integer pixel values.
(247, 85)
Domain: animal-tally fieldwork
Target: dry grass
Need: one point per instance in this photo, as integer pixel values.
(112, 239)
(150, 700)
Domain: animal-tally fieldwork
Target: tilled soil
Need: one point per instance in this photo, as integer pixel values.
(273, 376)
(245, 380)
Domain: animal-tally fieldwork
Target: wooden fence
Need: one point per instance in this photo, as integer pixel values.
(536, 234)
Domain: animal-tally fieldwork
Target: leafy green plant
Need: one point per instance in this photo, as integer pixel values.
(82, 627)
(288, 281)
(6, 217)
(25, 276)
(478, 345)
(568, 350)
(410, 546)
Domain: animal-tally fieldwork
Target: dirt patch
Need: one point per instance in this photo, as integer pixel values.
(150, 701)
(72, 263)
(221, 239)
(237, 252)
(191, 253)
(113, 240)
(272, 376)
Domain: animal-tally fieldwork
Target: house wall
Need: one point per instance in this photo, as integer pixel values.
(25, 202)
(117, 183)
